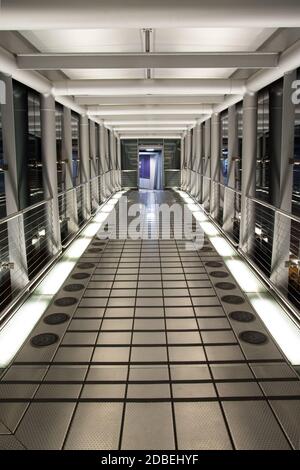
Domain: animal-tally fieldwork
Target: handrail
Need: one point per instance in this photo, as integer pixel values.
(23, 211)
(275, 209)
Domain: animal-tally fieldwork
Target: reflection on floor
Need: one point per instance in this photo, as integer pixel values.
(143, 351)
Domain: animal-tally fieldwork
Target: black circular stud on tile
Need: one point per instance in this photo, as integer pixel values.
(73, 287)
(233, 299)
(65, 301)
(85, 265)
(214, 264)
(80, 275)
(44, 339)
(253, 337)
(242, 316)
(219, 274)
(56, 318)
(225, 285)
(95, 250)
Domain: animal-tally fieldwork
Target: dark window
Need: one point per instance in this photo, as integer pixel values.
(34, 148)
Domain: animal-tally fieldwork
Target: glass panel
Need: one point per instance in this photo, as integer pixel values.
(263, 157)
(35, 173)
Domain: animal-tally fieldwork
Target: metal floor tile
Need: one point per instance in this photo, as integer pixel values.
(158, 434)
(45, 425)
(201, 426)
(253, 426)
(95, 426)
(149, 329)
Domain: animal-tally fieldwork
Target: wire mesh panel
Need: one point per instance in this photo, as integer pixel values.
(13, 261)
(129, 178)
(94, 192)
(232, 213)
(172, 178)
(68, 218)
(206, 193)
(38, 232)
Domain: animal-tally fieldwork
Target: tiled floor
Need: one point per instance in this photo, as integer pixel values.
(149, 358)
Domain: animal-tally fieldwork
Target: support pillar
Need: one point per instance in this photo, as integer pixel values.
(93, 166)
(247, 226)
(283, 198)
(49, 158)
(229, 196)
(16, 249)
(70, 201)
(103, 162)
(207, 165)
(215, 166)
(84, 167)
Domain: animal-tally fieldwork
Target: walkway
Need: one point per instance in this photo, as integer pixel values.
(148, 356)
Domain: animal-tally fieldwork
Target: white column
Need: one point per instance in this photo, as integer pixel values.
(84, 166)
(70, 200)
(247, 226)
(215, 166)
(229, 196)
(16, 248)
(282, 224)
(49, 157)
(207, 163)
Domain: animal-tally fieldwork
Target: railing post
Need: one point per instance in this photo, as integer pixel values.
(247, 226)
(215, 166)
(15, 227)
(229, 195)
(84, 166)
(282, 224)
(70, 197)
(49, 157)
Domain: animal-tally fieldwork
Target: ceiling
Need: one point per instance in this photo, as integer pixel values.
(141, 81)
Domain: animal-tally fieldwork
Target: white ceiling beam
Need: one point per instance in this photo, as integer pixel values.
(148, 100)
(146, 110)
(133, 122)
(217, 86)
(154, 135)
(32, 14)
(153, 60)
(150, 128)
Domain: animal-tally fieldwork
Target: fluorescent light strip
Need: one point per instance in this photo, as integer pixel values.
(285, 332)
(222, 246)
(17, 329)
(244, 276)
(209, 229)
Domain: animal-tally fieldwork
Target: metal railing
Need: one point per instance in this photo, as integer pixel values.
(272, 243)
(27, 238)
